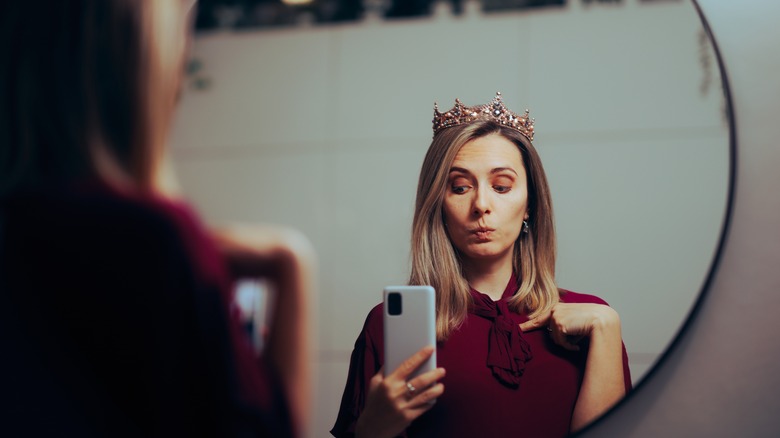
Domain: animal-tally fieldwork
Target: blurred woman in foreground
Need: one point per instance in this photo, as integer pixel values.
(115, 301)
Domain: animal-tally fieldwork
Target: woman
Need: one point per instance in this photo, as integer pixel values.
(117, 317)
(517, 355)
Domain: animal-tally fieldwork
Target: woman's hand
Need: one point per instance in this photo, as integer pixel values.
(603, 383)
(569, 323)
(391, 406)
(285, 257)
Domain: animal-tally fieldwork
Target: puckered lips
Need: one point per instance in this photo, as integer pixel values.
(482, 233)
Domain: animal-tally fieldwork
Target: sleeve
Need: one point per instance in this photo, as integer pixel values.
(365, 362)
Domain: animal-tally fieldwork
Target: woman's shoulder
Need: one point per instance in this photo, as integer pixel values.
(372, 334)
(91, 202)
(568, 296)
(152, 207)
(374, 321)
(109, 225)
(88, 209)
(172, 220)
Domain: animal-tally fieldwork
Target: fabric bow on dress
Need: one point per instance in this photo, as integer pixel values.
(507, 350)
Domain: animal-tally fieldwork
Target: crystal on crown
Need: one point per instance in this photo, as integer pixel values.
(495, 110)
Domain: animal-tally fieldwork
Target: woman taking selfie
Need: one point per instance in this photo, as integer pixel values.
(517, 356)
(116, 311)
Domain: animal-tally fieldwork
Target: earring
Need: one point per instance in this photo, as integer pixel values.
(525, 227)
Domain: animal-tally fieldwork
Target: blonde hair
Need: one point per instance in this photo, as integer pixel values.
(86, 83)
(434, 259)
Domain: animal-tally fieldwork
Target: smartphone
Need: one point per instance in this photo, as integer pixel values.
(409, 325)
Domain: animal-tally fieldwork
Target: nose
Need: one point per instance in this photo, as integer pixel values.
(481, 201)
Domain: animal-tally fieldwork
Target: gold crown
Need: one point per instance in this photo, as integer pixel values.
(495, 110)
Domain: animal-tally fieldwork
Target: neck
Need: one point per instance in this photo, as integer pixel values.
(489, 276)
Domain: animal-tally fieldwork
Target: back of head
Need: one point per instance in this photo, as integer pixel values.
(87, 88)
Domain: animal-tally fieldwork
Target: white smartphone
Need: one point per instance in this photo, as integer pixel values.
(409, 325)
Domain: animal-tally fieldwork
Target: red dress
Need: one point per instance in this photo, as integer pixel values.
(114, 321)
(499, 381)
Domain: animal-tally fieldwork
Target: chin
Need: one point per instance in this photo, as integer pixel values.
(484, 251)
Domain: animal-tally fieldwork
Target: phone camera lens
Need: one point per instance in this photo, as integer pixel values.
(394, 306)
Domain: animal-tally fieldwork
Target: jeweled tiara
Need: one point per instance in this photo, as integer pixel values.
(495, 110)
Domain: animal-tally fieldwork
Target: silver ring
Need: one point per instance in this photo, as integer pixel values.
(410, 389)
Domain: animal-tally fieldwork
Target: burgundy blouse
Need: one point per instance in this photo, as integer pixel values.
(115, 321)
(499, 382)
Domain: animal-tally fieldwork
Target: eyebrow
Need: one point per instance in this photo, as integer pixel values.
(502, 169)
(492, 171)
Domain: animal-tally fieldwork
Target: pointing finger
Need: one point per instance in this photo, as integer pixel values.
(536, 323)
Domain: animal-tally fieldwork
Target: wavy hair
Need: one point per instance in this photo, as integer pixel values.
(435, 260)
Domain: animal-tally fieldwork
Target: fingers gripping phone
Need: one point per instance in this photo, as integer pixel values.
(409, 325)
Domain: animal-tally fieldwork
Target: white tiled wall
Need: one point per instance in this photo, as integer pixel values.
(325, 129)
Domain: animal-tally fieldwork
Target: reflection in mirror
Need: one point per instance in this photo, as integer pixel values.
(325, 128)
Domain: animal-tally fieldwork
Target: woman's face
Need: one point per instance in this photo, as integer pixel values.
(486, 199)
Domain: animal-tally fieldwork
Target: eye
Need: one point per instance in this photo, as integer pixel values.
(459, 185)
(503, 184)
(459, 190)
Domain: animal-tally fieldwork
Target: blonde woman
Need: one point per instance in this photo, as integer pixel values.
(115, 305)
(517, 356)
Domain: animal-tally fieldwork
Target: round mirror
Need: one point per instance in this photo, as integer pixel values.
(324, 127)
